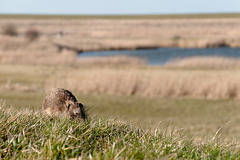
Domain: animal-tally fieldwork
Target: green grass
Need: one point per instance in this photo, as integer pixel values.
(23, 100)
(196, 116)
(151, 16)
(28, 135)
(120, 127)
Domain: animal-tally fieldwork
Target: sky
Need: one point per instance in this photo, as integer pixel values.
(108, 7)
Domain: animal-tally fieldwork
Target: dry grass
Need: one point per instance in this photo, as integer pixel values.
(9, 30)
(24, 50)
(205, 62)
(21, 51)
(218, 83)
(111, 60)
(213, 84)
(32, 34)
(108, 34)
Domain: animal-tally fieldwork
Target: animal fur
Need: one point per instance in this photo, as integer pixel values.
(63, 102)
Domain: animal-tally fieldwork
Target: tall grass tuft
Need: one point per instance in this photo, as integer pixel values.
(9, 30)
(32, 34)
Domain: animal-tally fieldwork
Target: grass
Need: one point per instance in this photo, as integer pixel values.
(121, 60)
(205, 62)
(195, 108)
(29, 135)
(195, 116)
(216, 83)
(126, 33)
(32, 34)
(146, 81)
(9, 29)
(188, 128)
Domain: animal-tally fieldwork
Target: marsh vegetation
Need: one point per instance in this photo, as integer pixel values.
(79, 35)
(201, 100)
(186, 109)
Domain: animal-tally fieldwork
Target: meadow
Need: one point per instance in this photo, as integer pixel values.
(187, 109)
(122, 125)
(131, 83)
(29, 135)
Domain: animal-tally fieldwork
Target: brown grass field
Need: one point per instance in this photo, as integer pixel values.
(93, 34)
(205, 62)
(218, 79)
(160, 82)
(205, 77)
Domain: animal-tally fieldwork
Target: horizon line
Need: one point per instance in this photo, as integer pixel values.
(120, 16)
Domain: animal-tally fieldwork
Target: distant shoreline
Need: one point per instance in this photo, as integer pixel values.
(140, 16)
(62, 40)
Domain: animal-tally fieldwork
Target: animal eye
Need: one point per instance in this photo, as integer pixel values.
(68, 106)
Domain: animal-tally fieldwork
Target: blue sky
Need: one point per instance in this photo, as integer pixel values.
(118, 6)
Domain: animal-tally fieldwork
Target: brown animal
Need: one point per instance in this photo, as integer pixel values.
(62, 102)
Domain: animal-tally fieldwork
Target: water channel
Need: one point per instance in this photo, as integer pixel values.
(160, 56)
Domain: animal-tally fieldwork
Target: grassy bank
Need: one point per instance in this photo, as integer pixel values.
(197, 117)
(194, 116)
(194, 128)
(29, 135)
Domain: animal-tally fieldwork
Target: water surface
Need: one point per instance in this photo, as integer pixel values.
(162, 55)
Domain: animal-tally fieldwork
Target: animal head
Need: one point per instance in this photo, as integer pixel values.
(75, 110)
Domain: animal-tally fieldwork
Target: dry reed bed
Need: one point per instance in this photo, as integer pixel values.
(120, 60)
(220, 27)
(19, 50)
(103, 34)
(212, 78)
(205, 62)
(107, 34)
(212, 84)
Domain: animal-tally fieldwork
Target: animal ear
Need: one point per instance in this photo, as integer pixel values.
(68, 106)
(83, 115)
(80, 105)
